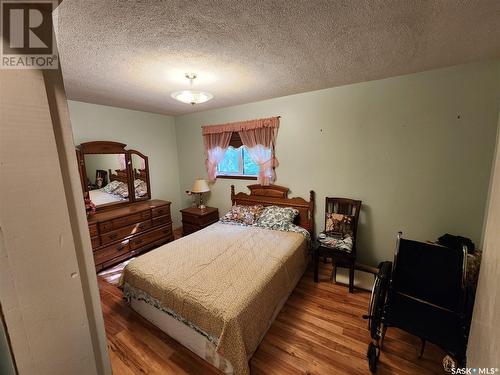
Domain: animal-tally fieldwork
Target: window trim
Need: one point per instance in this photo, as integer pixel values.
(237, 177)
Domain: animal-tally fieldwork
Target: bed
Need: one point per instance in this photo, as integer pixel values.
(217, 291)
(115, 191)
(100, 197)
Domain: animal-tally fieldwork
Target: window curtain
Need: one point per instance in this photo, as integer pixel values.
(258, 136)
(216, 145)
(259, 142)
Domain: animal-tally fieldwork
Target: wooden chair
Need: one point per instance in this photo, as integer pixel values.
(342, 258)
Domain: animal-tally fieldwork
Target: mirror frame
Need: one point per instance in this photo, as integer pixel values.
(110, 147)
(132, 169)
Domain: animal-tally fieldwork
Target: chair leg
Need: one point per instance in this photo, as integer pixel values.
(334, 272)
(351, 278)
(422, 348)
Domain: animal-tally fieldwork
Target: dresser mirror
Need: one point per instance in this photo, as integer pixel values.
(111, 175)
(140, 171)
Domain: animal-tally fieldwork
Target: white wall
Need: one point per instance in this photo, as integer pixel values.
(151, 134)
(484, 342)
(417, 149)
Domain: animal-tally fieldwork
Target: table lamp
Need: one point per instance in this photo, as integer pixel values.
(200, 186)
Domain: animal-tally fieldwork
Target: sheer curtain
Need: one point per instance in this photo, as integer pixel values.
(260, 144)
(216, 145)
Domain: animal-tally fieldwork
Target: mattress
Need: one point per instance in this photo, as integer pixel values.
(226, 283)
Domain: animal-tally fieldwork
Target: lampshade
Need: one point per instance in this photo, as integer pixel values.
(200, 186)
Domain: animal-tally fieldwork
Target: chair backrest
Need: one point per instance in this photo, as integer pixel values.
(344, 206)
(430, 273)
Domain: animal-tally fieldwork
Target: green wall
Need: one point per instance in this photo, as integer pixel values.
(417, 149)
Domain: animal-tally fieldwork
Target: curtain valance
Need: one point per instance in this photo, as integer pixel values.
(271, 122)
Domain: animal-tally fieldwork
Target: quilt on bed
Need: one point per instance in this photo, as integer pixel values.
(224, 281)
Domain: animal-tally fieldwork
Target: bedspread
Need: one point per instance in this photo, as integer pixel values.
(225, 281)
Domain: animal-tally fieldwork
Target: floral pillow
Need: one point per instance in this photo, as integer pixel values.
(247, 215)
(111, 187)
(338, 223)
(274, 217)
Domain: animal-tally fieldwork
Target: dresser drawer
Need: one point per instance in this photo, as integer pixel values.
(107, 226)
(124, 232)
(154, 235)
(161, 220)
(93, 230)
(160, 211)
(111, 251)
(201, 220)
(96, 242)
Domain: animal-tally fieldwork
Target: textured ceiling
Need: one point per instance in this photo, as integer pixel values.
(134, 53)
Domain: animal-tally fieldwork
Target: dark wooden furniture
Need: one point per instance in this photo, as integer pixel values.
(120, 175)
(274, 195)
(194, 218)
(121, 230)
(124, 232)
(340, 258)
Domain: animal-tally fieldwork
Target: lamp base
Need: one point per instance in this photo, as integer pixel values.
(202, 206)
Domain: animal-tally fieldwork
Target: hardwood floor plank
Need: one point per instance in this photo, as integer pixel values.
(320, 330)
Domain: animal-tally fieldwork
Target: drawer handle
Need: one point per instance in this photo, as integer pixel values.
(113, 236)
(120, 248)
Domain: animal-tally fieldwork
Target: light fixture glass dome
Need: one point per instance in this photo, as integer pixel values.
(192, 96)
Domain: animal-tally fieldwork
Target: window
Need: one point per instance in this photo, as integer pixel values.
(237, 161)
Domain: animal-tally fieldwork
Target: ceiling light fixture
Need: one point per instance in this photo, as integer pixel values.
(191, 96)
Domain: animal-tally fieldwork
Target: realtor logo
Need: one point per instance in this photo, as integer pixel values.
(27, 35)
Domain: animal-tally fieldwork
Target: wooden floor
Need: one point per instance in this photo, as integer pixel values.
(319, 331)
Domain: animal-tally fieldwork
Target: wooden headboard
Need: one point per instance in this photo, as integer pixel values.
(274, 195)
(120, 175)
(141, 174)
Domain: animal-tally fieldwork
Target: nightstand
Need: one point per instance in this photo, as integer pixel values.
(194, 218)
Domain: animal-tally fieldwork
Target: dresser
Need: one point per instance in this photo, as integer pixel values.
(194, 218)
(123, 232)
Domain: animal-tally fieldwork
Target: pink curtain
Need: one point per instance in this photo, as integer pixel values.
(216, 145)
(259, 136)
(260, 143)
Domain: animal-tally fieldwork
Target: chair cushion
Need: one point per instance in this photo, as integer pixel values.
(338, 223)
(342, 243)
